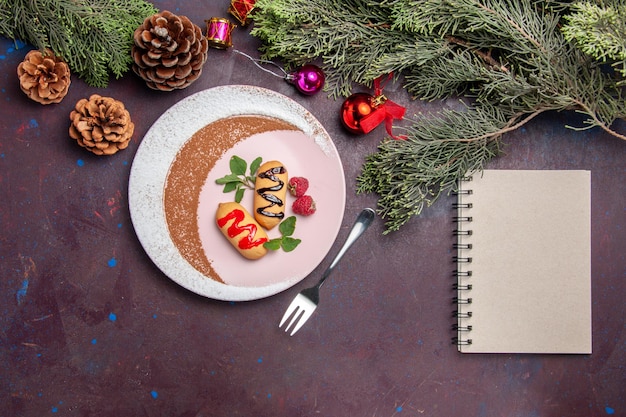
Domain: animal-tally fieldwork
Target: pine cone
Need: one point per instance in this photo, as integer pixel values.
(169, 51)
(44, 77)
(102, 125)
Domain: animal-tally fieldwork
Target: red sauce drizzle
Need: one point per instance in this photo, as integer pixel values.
(247, 241)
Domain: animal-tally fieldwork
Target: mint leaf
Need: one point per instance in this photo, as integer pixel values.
(289, 243)
(288, 226)
(254, 166)
(237, 180)
(228, 178)
(238, 166)
(239, 194)
(273, 244)
(230, 186)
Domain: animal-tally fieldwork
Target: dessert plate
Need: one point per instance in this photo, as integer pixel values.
(173, 195)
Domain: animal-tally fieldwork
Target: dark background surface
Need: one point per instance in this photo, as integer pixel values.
(89, 326)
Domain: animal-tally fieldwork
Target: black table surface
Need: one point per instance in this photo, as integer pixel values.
(89, 326)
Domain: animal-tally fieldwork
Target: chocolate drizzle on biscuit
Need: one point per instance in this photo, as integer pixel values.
(266, 193)
(189, 171)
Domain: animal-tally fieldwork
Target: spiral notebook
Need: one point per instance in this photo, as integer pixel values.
(523, 262)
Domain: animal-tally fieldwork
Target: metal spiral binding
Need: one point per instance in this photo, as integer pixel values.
(461, 259)
(457, 287)
(462, 233)
(459, 219)
(462, 288)
(462, 246)
(461, 342)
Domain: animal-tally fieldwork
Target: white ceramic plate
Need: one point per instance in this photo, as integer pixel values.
(308, 152)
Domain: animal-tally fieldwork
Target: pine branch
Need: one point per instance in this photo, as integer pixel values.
(509, 59)
(345, 34)
(411, 174)
(599, 31)
(93, 36)
(5, 27)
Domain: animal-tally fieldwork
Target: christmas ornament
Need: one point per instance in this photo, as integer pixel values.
(101, 125)
(44, 77)
(241, 10)
(308, 79)
(354, 109)
(218, 32)
(426, 49)
(362, 112)
(169, 51)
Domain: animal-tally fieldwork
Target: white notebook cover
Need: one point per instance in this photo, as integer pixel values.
(530, 262)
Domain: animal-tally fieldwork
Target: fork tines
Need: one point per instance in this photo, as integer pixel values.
(300, 309)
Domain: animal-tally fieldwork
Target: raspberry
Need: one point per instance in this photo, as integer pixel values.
(297, 186)
(304, 205)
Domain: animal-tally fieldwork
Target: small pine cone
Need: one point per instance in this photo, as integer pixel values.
(44, 77)
(102, 125)
(169, 51)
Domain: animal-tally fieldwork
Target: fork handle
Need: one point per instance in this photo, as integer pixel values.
(360, 225)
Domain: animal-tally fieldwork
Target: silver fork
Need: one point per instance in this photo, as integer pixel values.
(305, 303)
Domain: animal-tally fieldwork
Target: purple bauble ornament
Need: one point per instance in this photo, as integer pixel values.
(308, 80)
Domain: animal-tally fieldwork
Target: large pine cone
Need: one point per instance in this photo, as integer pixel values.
(102, 125)
(169, 51)
(44, 77)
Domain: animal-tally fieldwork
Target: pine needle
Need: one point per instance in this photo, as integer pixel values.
(509, 60)
(94, 37)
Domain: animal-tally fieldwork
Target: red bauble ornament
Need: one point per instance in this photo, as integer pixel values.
(354, 109)
(362, 112)
(308, 80)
